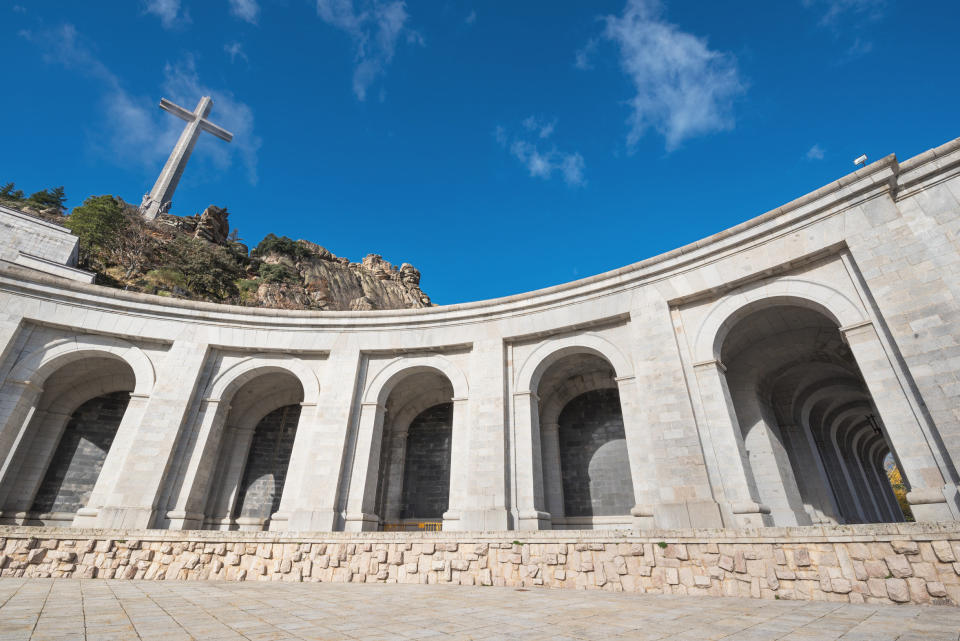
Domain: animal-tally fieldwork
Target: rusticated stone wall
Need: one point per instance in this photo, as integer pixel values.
(905, 563)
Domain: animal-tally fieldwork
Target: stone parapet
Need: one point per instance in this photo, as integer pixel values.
(888, 563)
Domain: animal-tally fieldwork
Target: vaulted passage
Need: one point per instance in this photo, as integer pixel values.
(586, 469)
(414, 482)
(813, 440)
(58, 461)
(266, 469)
(426, 474)
(254, 451)
(79, 456)
(593, 456)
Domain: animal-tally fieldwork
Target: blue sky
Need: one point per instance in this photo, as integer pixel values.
(499, 147)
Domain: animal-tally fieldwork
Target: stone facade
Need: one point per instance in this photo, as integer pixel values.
(38, 244)
(855, 564)
(765, 377)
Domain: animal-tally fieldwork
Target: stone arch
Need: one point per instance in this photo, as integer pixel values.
(552, 350)
(234, 377)
(42, 362)
(379, 471)
(399, 368)
(738, 304)
(801, 405)
(550, 412)
(63, 456)
(258, 407)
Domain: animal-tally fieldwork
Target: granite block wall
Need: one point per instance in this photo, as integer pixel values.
(426, 474)
(79, 457)
(593, 456)
(890, 563)
(267, 463)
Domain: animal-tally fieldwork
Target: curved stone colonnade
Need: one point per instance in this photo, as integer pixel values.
(759, 377)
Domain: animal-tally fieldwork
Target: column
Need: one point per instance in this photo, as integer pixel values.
(552, 470)
(395, 469)
(18, 403)
(727, 441)
(318, 477)
(128, 492)
(479, 495)
(528, 467)
(460, 472)
(32, 460)
(233, 462)
(124, 442)
(678, 486)
(639, 453)
(816, 493)
(905, 434)
(280, 520)
(362, 494)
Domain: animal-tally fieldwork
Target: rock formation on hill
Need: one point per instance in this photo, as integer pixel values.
(197, 257)
(286, 274)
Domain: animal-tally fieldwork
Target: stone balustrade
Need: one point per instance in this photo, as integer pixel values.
(888, 563)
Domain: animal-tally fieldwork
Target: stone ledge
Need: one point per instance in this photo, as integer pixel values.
(886, 563)
(815, 533)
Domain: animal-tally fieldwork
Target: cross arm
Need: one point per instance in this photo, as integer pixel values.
(219, 132)
(176, 110)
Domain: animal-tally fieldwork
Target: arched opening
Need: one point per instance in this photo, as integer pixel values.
(57, 463)
(254, 452)
(587, 479)
(413, 489)
(814, 443)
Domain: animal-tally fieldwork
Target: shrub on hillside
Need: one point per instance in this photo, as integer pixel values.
(277, 273)
(98, 223)
(209, 271)
(282, 245)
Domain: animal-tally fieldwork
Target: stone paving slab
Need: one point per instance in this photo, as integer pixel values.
(67, 609)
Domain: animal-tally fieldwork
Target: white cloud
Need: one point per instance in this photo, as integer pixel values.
(541, 161)
(18, 8)
(134, 130)
(836, 10)
(848, 20)
(247, 10)
(235, 50)
(815, 153)
(375, 27)
(168, 11)
(582, 57)
(684, 89)
(471, 17)
(542, 128)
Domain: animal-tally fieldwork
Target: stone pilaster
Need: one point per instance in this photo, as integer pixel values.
(129, 488)
(929, 492)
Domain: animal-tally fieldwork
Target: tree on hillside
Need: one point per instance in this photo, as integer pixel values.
(98, 222)
(49, 199)
(10, 192)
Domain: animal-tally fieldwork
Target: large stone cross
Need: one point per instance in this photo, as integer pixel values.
(159, 199)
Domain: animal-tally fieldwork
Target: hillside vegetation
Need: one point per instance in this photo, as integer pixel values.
(199, 258)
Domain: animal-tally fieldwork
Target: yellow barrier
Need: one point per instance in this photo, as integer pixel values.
(425, 526)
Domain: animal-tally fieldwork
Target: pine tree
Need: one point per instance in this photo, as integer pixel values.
(48, 199)
(10, 192)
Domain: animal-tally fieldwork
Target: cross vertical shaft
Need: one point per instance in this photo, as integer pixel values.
(161, 196)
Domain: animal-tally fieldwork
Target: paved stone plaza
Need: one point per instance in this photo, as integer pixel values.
(114, 610)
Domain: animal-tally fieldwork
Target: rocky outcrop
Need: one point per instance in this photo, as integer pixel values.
(198, 257)
(304, 275)
(211, 225)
